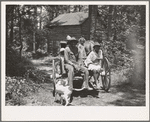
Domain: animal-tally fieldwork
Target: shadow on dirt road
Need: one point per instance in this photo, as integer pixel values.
(120, 94)
(129, 95)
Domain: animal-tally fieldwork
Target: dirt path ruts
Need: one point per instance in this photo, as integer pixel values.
(120, 93)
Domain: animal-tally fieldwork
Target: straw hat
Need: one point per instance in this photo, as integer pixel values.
(68, 37)
(96, 44)
(72, 39)
(63, 42)
(82, 39)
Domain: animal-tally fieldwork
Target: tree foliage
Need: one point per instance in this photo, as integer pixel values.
(122, 25)
(26, 26)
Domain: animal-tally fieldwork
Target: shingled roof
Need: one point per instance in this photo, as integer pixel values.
(69, 19)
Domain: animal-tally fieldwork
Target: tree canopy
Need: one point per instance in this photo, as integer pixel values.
(26, 30)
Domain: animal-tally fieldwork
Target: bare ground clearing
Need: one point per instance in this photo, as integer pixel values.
(120, 93)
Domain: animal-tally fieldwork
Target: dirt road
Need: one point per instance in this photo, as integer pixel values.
(121, 93)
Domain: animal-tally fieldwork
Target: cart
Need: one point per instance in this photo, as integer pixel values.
(104, 77)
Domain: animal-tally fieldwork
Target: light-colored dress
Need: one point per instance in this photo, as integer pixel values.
(82, 54)
(93, 61)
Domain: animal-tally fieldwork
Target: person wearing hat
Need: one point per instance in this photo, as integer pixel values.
(71, 54)
(93, 62)
(63, 44)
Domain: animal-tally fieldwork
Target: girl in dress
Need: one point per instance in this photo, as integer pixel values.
(93, 62)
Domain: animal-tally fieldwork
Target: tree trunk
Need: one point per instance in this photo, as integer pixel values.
(142, 13)
(12, 25)
(80, 8)
(109, 22)
(33, 42)
(75, 8)
(92, 18)
(34, 28)
(56, 11)
(142, 21)
(40, 17)
(7, 36)
(114, 16)
(6, 32)
(68, 9)
(20, 32)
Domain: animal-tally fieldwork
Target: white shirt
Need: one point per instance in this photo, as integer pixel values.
(94, 58)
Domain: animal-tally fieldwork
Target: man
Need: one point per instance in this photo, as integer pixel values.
(93, 62)
(63, 44)
(71, 54)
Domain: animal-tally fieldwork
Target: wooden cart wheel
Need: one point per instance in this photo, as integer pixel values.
(106, 75)
(55, 71)
(57, 67)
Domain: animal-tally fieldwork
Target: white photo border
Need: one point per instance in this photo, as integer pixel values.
(72, 113)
